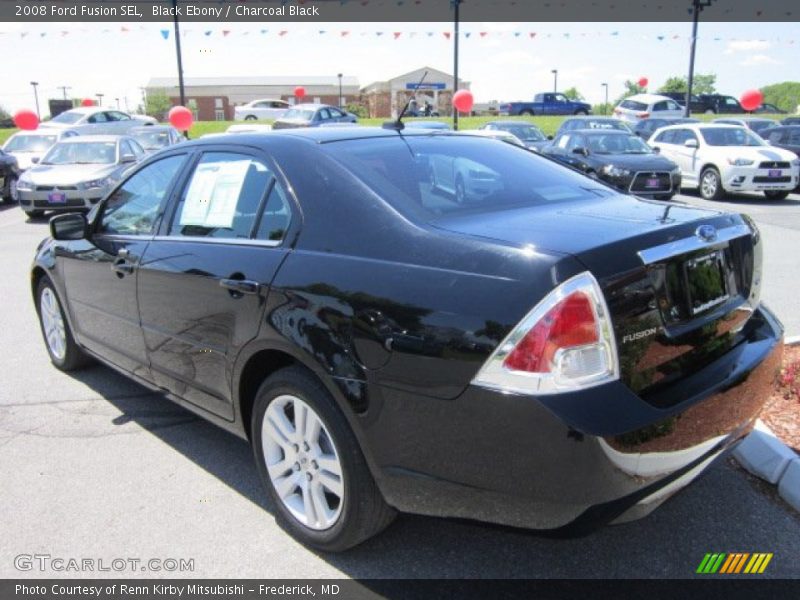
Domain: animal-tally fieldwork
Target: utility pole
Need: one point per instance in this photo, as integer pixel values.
(456, 4)
(64, 89)
(178, 53)
(698, 6)
(340, 89)
(555, 80)
(35, 84)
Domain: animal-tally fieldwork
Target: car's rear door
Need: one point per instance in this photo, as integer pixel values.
(100, 272)
(204, 279)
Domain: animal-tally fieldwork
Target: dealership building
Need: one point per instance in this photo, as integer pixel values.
(213, 98)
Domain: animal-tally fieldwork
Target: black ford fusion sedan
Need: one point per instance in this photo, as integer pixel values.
(538, 351)
(619, 158)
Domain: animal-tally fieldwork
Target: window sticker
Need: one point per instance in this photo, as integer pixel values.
(214, 193)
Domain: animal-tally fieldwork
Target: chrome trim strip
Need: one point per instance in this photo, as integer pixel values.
(224, 241)
(691, 244)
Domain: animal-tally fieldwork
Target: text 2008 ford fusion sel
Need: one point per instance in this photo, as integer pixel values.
(422, 322)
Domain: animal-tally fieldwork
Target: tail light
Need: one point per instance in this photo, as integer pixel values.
(565, 343)
(643, 115)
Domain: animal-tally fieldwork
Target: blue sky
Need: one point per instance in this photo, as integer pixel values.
(98, 57)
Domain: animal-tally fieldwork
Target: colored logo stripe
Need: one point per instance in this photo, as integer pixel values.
(734, 563)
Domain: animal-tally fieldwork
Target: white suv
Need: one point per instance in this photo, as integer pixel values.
(643, 106)
(725, 158)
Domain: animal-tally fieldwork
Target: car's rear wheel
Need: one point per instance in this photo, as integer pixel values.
(526, 113)
(711, 184)
(710, 111)
(250, 118)
(581, 112)
(312, 466)
(776, 194)
(64, 353)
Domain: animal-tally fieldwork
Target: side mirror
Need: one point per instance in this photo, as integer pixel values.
(127, 158)
(657, 149)
(71, 226)
(35, 160)
(550, 137)
(581, 151)
(690, 143)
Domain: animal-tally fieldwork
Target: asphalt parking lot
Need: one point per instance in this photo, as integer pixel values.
(96, 466)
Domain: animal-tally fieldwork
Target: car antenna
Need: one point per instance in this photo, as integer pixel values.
(398, 124)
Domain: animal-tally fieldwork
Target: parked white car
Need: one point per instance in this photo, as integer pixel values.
(643, 106)
(497, 134)
(29, 147)
(726, 158)
(95, 120)
(261, 109)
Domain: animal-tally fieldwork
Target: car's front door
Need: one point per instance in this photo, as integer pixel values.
(100, 272)
(204, 279)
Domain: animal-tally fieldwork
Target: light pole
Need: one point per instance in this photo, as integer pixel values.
(456, 4)
(698, 6)
(555, 80)
(35, 84)
(117, 99)
(64, 89)
(605, 104)
(99, 99)
(340, 89)
(178, 53)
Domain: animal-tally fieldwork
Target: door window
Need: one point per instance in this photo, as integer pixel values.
(276, 217)
(666, 137)
(132, 209)
(97, 118)
(660, 105)
(223, 197)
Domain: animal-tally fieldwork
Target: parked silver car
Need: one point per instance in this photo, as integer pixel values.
(27, 146)
(76, 173)
(94, 120)
(155, 137)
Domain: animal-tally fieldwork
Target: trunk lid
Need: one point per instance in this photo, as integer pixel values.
(679, 281)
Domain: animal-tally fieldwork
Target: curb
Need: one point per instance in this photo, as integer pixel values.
(765, 456)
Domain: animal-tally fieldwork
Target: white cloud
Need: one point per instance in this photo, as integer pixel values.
(757, 60)
(746, 45)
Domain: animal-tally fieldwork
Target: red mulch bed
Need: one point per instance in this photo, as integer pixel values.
(782, 411)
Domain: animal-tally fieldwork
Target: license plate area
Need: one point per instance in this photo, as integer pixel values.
(706, 282)
(652, 182)
(57, 198)
(774, 173)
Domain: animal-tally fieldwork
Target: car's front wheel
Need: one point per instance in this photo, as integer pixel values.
(250, 118)
(776, 194)
(581, 112)
(711, 184)
(312, 466)
(9, 192)
(64, 353)
(34, 214)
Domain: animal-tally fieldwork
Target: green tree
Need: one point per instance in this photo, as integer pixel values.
(631, 88)
(4, 114)
(703, 83)
(784, 95)
(573, 94)
(158, 105)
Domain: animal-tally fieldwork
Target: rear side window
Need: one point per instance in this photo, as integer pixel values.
(633, 105)
(224, 198)
(666, 137)
(660, 105)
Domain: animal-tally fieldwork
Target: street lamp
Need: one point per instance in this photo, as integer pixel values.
(117, 99)
(36, 97)
(340, 89)
(698, 6)
(555, 80)
(64, 89)
(99, 99)
(605, 104)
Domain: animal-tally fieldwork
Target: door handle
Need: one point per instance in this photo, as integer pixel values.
(237, 287)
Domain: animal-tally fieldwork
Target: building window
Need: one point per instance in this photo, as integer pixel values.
(192, 106)
(218, 103)
(317, 100)
(219, 114)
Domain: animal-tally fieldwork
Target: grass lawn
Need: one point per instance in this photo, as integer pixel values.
(548, 124)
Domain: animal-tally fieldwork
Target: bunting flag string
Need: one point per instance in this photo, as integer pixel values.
(480, 36)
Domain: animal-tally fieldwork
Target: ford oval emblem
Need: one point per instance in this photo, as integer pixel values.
(707, 233)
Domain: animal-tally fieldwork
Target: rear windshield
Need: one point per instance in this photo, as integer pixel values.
(67, 117)
(427, 177)
(730, 136)
(527, 133)
(29, 143)
(298, 113)
(633, 105)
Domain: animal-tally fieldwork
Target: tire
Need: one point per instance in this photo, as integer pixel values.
(34, 214)
(64, 353)
(710, 186)
(526, 113)
(9, 190)
(331, 518)
(251, 118)
(581, 112)
(710, 111)
(776, 194)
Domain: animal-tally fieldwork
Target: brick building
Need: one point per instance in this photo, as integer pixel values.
(213, 98)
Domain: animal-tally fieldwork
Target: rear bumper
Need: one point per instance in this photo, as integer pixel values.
(574, 461)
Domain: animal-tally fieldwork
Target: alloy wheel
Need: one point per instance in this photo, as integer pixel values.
(302, 462)
(708, 185)
(53, 324)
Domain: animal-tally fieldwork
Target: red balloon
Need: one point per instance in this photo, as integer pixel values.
(463, 100)
(643, 81)
(26, 119)
(181, 118)
(299, 92)
(87, 102)
(751, 99)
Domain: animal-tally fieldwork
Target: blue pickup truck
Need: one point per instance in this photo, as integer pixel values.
(545, 104)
